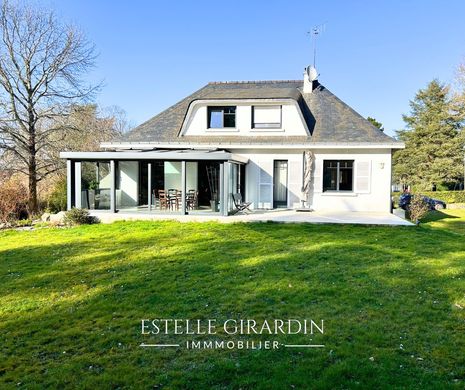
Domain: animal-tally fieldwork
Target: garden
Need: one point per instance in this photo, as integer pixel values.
(392, 301)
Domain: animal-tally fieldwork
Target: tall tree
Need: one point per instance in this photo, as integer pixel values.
(42, 63)
(433, 151)
(87, 125)
(375, 123)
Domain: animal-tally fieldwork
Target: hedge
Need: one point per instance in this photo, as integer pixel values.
(445, 196)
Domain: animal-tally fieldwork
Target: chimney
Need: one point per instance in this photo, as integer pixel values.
(310, 79)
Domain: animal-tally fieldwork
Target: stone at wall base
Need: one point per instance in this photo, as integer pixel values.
(58, 218)
(399, 213)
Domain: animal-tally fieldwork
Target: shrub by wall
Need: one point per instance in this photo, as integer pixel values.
(79, 217)
(418, 208)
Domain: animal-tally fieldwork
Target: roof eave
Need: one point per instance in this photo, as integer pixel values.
(395, 145)
(183, 155)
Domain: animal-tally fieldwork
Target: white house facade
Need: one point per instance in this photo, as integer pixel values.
(277, 144)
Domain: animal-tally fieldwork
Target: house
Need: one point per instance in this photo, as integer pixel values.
(290, 144)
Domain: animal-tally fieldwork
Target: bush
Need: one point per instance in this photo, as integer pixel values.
(58, 198)
(23, 222)
(79, 217)
(13, 200)
(418, 208)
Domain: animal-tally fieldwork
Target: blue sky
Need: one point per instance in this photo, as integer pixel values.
(374, 55)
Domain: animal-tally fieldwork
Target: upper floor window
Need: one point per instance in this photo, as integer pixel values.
(338, 175)
(221, 117)
(266, 117)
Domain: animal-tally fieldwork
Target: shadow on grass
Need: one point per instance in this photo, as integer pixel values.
(373, 291)
(437, 215)
(452, 221)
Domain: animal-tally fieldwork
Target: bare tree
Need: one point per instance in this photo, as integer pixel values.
(87, 125)
(121, 123)
(42, 64)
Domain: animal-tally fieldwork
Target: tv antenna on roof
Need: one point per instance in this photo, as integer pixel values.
(316, 30)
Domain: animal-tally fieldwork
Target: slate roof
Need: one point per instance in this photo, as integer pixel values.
(328, 118)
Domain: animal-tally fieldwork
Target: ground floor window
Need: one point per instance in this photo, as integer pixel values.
(338, 175)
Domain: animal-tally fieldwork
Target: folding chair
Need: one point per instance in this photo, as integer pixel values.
(241, 207)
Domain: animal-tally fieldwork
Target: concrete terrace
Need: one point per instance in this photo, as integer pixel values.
(281, 216)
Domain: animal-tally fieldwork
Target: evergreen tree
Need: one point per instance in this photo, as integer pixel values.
(433, 137)
(375, 123)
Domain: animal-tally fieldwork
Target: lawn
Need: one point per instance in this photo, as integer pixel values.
(392, 300)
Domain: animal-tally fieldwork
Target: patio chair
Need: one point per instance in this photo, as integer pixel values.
(178, 199)
(192, 199)
(241, 207)
(173, 199)
(155, 203)
(162, 199)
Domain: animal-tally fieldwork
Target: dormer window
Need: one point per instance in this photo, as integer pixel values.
(266, 117)
(221, 117)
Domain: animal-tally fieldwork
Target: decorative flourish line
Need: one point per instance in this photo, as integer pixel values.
(285, 345)
(159, 345)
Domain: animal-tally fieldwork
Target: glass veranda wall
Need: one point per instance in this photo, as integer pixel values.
(95, 185)
(152, 185)
(158, 186)
(201, 192)
(236, 185)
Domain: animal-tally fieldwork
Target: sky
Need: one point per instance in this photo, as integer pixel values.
(374, 55)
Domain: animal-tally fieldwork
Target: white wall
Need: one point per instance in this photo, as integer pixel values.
(129, 184)
(105, 182)
(259, 179)
(376, 198)
(191, 176)
(173, 175)
(292, 121)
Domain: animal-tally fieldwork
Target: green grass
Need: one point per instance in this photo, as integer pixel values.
(72, 301)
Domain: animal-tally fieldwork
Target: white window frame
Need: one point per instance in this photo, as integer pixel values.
(222, 109)
(267, 126)
(338, 171)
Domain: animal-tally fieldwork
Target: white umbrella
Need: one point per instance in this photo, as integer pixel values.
(307, 174)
